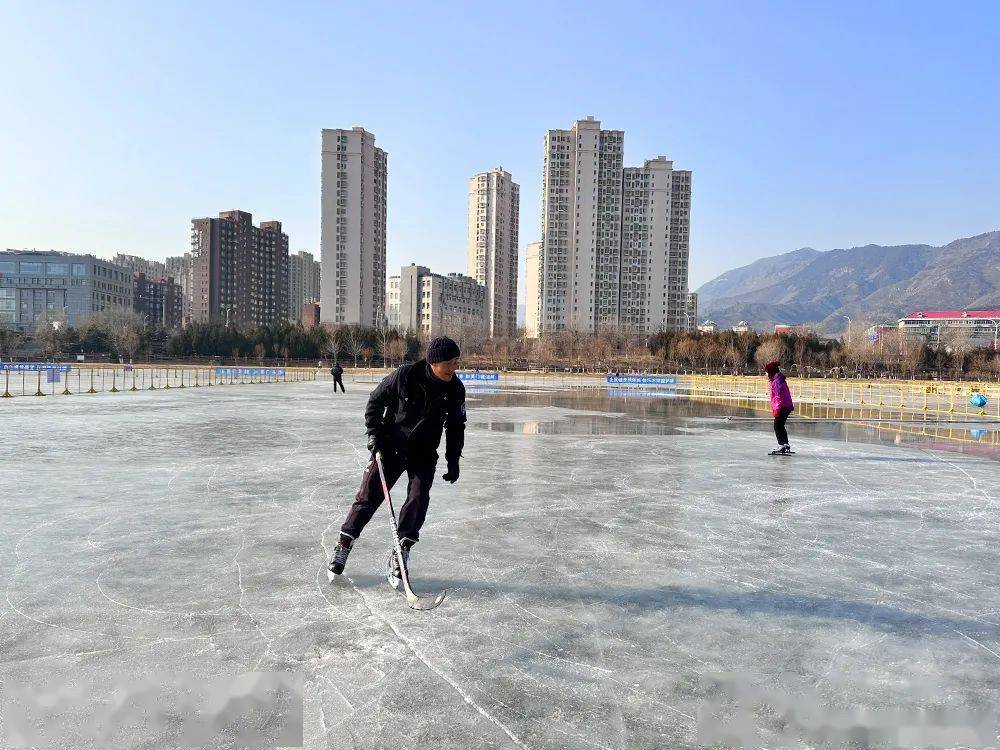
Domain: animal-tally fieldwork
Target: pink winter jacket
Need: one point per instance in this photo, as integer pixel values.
(781, 397)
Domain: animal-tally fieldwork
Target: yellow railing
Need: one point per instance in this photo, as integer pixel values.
(930, 396)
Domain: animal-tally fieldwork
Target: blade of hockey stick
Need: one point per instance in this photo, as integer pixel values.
(412, 599)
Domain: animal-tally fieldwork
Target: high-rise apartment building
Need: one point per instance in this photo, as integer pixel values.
(494, 201)
(179, 268)
(303, 283)
(159, 300)
(434, 305)
(614, 239)
(533, 289)
(151, 269)
(691, 319)
(352, 227)
(239, 272)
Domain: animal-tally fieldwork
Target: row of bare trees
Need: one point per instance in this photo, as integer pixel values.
(115, 331)
(123, 333)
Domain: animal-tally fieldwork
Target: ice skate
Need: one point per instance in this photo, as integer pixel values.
(784, 450)
(340, 553)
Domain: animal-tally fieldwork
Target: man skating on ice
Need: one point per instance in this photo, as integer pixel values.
(338, 377)
(405, 418)
(781, 405)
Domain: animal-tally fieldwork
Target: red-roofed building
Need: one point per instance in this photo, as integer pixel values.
(981, 326)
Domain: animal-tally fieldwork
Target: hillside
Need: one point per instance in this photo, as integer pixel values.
(870, 284)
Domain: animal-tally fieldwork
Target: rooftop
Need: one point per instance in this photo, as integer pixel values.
(945, 314)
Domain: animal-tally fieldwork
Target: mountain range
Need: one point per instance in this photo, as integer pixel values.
(870, 284)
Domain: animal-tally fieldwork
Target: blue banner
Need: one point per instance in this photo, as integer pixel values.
(491, 376)
(33, 367)
(239, 372)
(641, 380)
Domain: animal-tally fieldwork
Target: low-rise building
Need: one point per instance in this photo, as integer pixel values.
(434, 305)
(392, 301)
(63, 285)
(708, 326)
(742, 327)
(310, 314)
(979, 327)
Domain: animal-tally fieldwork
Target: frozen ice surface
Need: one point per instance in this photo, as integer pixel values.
(606, 558)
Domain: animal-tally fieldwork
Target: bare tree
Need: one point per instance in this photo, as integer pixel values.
(334, 346)
(914, 353)
(769, 351)
(367, 352)
(395, 351)
(50, 330)
(353, 342)
(10, 342)
(383, 335)
(258, 353)
(544, 351)
(958, 343)
(123, 329)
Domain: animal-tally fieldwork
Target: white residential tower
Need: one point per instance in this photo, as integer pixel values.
(352, 227)
(614, 239)
(494, 201)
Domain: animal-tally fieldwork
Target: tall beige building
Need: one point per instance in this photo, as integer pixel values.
(532, 289)
(303, 282)
(352, 227)
(494, 201)
(614, 239)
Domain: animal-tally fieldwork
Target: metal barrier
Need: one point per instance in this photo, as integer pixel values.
(19, 380)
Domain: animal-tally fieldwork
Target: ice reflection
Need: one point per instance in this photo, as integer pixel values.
(646, 412)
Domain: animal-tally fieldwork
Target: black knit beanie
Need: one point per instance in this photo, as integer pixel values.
(442, 349)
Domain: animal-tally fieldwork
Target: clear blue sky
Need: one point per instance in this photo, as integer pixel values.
(819, 124)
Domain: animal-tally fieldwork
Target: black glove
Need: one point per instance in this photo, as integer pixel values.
(452, 474)
(377, 444)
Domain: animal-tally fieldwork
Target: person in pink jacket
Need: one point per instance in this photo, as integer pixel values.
(781, 406)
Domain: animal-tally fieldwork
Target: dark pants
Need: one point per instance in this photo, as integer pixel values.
(411, 515)
(779, 426)
(337, 380)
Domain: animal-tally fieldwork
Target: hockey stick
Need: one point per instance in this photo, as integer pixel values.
(414, 601)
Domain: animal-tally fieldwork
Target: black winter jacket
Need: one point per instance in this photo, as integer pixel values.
(412, 408)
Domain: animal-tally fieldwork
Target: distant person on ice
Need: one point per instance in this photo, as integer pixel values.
(405, 418)
(338, 377)
(781, 406)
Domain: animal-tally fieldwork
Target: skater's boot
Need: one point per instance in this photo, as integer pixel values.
(784, 450)
(392, 569)
(340, 553)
